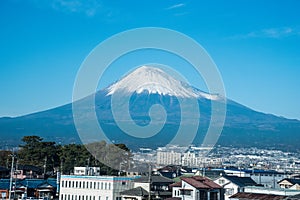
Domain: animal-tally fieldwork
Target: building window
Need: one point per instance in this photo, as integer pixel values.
(76, 184)
(94, 198)
(98, 184)
(82, 197)
(69, 184)
(229, 191)
(62, 183)
(109, 186)
(106, 198)
(123, 183)
(83, 184)
(91, 185)
(101, 185)
(69, 197)
(79, 197)
(99, 198)
(62, 197)
(79, 184)
(221, 181)
(105, 186)
(186, 192)
(94, 185)
(72, 184)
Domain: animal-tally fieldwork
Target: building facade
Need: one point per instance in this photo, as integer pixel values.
(74, 187)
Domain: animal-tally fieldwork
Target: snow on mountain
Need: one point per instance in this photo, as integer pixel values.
(156, 81)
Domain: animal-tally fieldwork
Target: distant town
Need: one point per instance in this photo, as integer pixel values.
(171, 173)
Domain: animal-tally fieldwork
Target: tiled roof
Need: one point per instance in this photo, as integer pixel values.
(178, 184)
(241, 181)
(154, 179)
(201, 182)
(138, 191)
(254, 196)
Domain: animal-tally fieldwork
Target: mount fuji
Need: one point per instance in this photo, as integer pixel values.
(139, 91)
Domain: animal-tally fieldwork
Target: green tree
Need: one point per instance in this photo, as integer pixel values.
(36, 152)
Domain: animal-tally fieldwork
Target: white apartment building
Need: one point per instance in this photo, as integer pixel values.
(78, 187)
(168, 158)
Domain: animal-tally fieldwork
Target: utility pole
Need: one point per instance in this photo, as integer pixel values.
(149, 196)
(11, 174)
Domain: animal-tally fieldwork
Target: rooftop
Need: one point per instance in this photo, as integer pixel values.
(254, 196)
(201, 182)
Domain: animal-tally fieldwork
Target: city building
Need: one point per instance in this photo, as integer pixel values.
(80, 187)
(168, 158)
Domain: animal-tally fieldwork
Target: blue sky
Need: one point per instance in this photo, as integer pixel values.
(254, 43)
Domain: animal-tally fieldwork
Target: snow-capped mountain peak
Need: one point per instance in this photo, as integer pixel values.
(155, 81)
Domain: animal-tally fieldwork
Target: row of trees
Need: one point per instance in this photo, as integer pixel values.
(53, 157)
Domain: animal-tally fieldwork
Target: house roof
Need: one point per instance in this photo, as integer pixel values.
(255, 196)
(291, 180)
(241, 181)
(294, 197)
(138, 191)
(29, 183)
(154, 179)
(4, 184)
(30, 168)
(177, 184)
(3, 169)
(201, 182)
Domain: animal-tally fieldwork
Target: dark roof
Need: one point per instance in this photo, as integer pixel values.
(173, 198)
(30, 168)
(201, 182)
(254, 196)
(29, 183)
(138, 191)
(154, 179)
(291, 180)
(4, 184)
(241, 181)
(294, 197)
(3, 169)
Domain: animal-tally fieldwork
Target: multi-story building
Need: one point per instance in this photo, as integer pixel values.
(78, 187)
(168, 158)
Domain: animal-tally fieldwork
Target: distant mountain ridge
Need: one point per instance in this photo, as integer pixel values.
(145, 87)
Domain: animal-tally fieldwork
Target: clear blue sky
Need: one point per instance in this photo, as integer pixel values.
(255, 44)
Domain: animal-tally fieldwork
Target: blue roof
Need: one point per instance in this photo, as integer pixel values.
(30, 183)
(241, 181)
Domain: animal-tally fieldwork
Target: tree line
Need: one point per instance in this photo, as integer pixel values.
(54, 157)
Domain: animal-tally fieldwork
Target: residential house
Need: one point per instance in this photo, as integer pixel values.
(197, 187)
(288, 183)
(234, 184)
(159, 188)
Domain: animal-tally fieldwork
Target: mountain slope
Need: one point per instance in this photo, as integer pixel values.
(144, 88)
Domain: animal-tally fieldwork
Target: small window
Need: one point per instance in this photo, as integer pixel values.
(62, 183)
